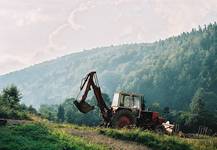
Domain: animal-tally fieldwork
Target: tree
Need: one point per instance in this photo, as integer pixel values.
(61, 113)
(202, 111)
(23, 107)
(155, 107)
(9, 104)
(11, 96)
(1, 100)
(50, 116)
(70, 116)
(49, 111)
(32, 109)
(198, 113)
(197, 105)
(105, 97)
(166, 110)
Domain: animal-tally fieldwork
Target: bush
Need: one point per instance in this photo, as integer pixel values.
(6, 112)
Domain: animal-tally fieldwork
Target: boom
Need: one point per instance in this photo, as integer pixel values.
(91, 81)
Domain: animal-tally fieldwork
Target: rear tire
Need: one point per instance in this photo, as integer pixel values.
(123, 118)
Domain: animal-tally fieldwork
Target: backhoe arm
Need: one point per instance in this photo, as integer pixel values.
(91, 81)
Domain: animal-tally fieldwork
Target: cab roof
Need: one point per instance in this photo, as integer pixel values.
(130, 94)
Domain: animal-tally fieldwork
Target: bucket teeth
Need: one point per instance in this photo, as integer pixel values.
(83, 106)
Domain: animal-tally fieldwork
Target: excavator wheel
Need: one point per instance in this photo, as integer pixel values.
(123, 118)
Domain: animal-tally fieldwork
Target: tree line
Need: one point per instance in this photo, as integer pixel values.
(10, 106)
(67, 112)
(202, 110)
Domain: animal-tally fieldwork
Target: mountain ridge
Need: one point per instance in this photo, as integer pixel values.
(167, 71)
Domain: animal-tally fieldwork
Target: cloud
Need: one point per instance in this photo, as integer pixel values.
(25, 18)
(41, 30)
(182, 15)
(32, 17)
(131, 32)
(70, 23)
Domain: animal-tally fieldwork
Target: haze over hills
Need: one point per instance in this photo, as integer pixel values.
(168, 71)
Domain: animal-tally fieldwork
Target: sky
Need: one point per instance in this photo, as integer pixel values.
(33, 31)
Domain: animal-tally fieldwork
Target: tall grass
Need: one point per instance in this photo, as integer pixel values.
(152, 140)
(40, 137)
(204, 143)
(161, 142)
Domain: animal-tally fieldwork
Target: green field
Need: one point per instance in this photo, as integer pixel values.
(41, 137)
(162, 142)
(51, 136)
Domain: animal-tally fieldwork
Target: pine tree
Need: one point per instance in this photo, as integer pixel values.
(61, 114)
(198, 111)
(69, 116)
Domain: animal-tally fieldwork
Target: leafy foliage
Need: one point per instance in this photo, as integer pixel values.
(9, 104)
(49, 111)
(203, 110)
(11, 96)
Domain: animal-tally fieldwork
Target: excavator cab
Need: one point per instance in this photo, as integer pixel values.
(127, 100)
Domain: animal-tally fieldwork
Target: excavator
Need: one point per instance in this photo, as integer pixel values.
(126, 110)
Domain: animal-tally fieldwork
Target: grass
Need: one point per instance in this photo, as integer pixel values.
(161, 142)
(43, 135)
(204, 143)
(152, 140)
(38, 136)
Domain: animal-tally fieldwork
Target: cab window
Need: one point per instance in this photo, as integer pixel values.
(136, 101)
(115, 99)
(127, 101)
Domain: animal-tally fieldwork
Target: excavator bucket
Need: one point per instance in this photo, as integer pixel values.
(83, 106)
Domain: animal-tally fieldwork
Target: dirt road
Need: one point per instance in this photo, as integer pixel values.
(114, 144)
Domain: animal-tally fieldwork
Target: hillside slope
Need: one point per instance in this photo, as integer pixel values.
(168, 71)
(40, 135)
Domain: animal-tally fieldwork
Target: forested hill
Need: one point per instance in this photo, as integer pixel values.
(168, 71)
